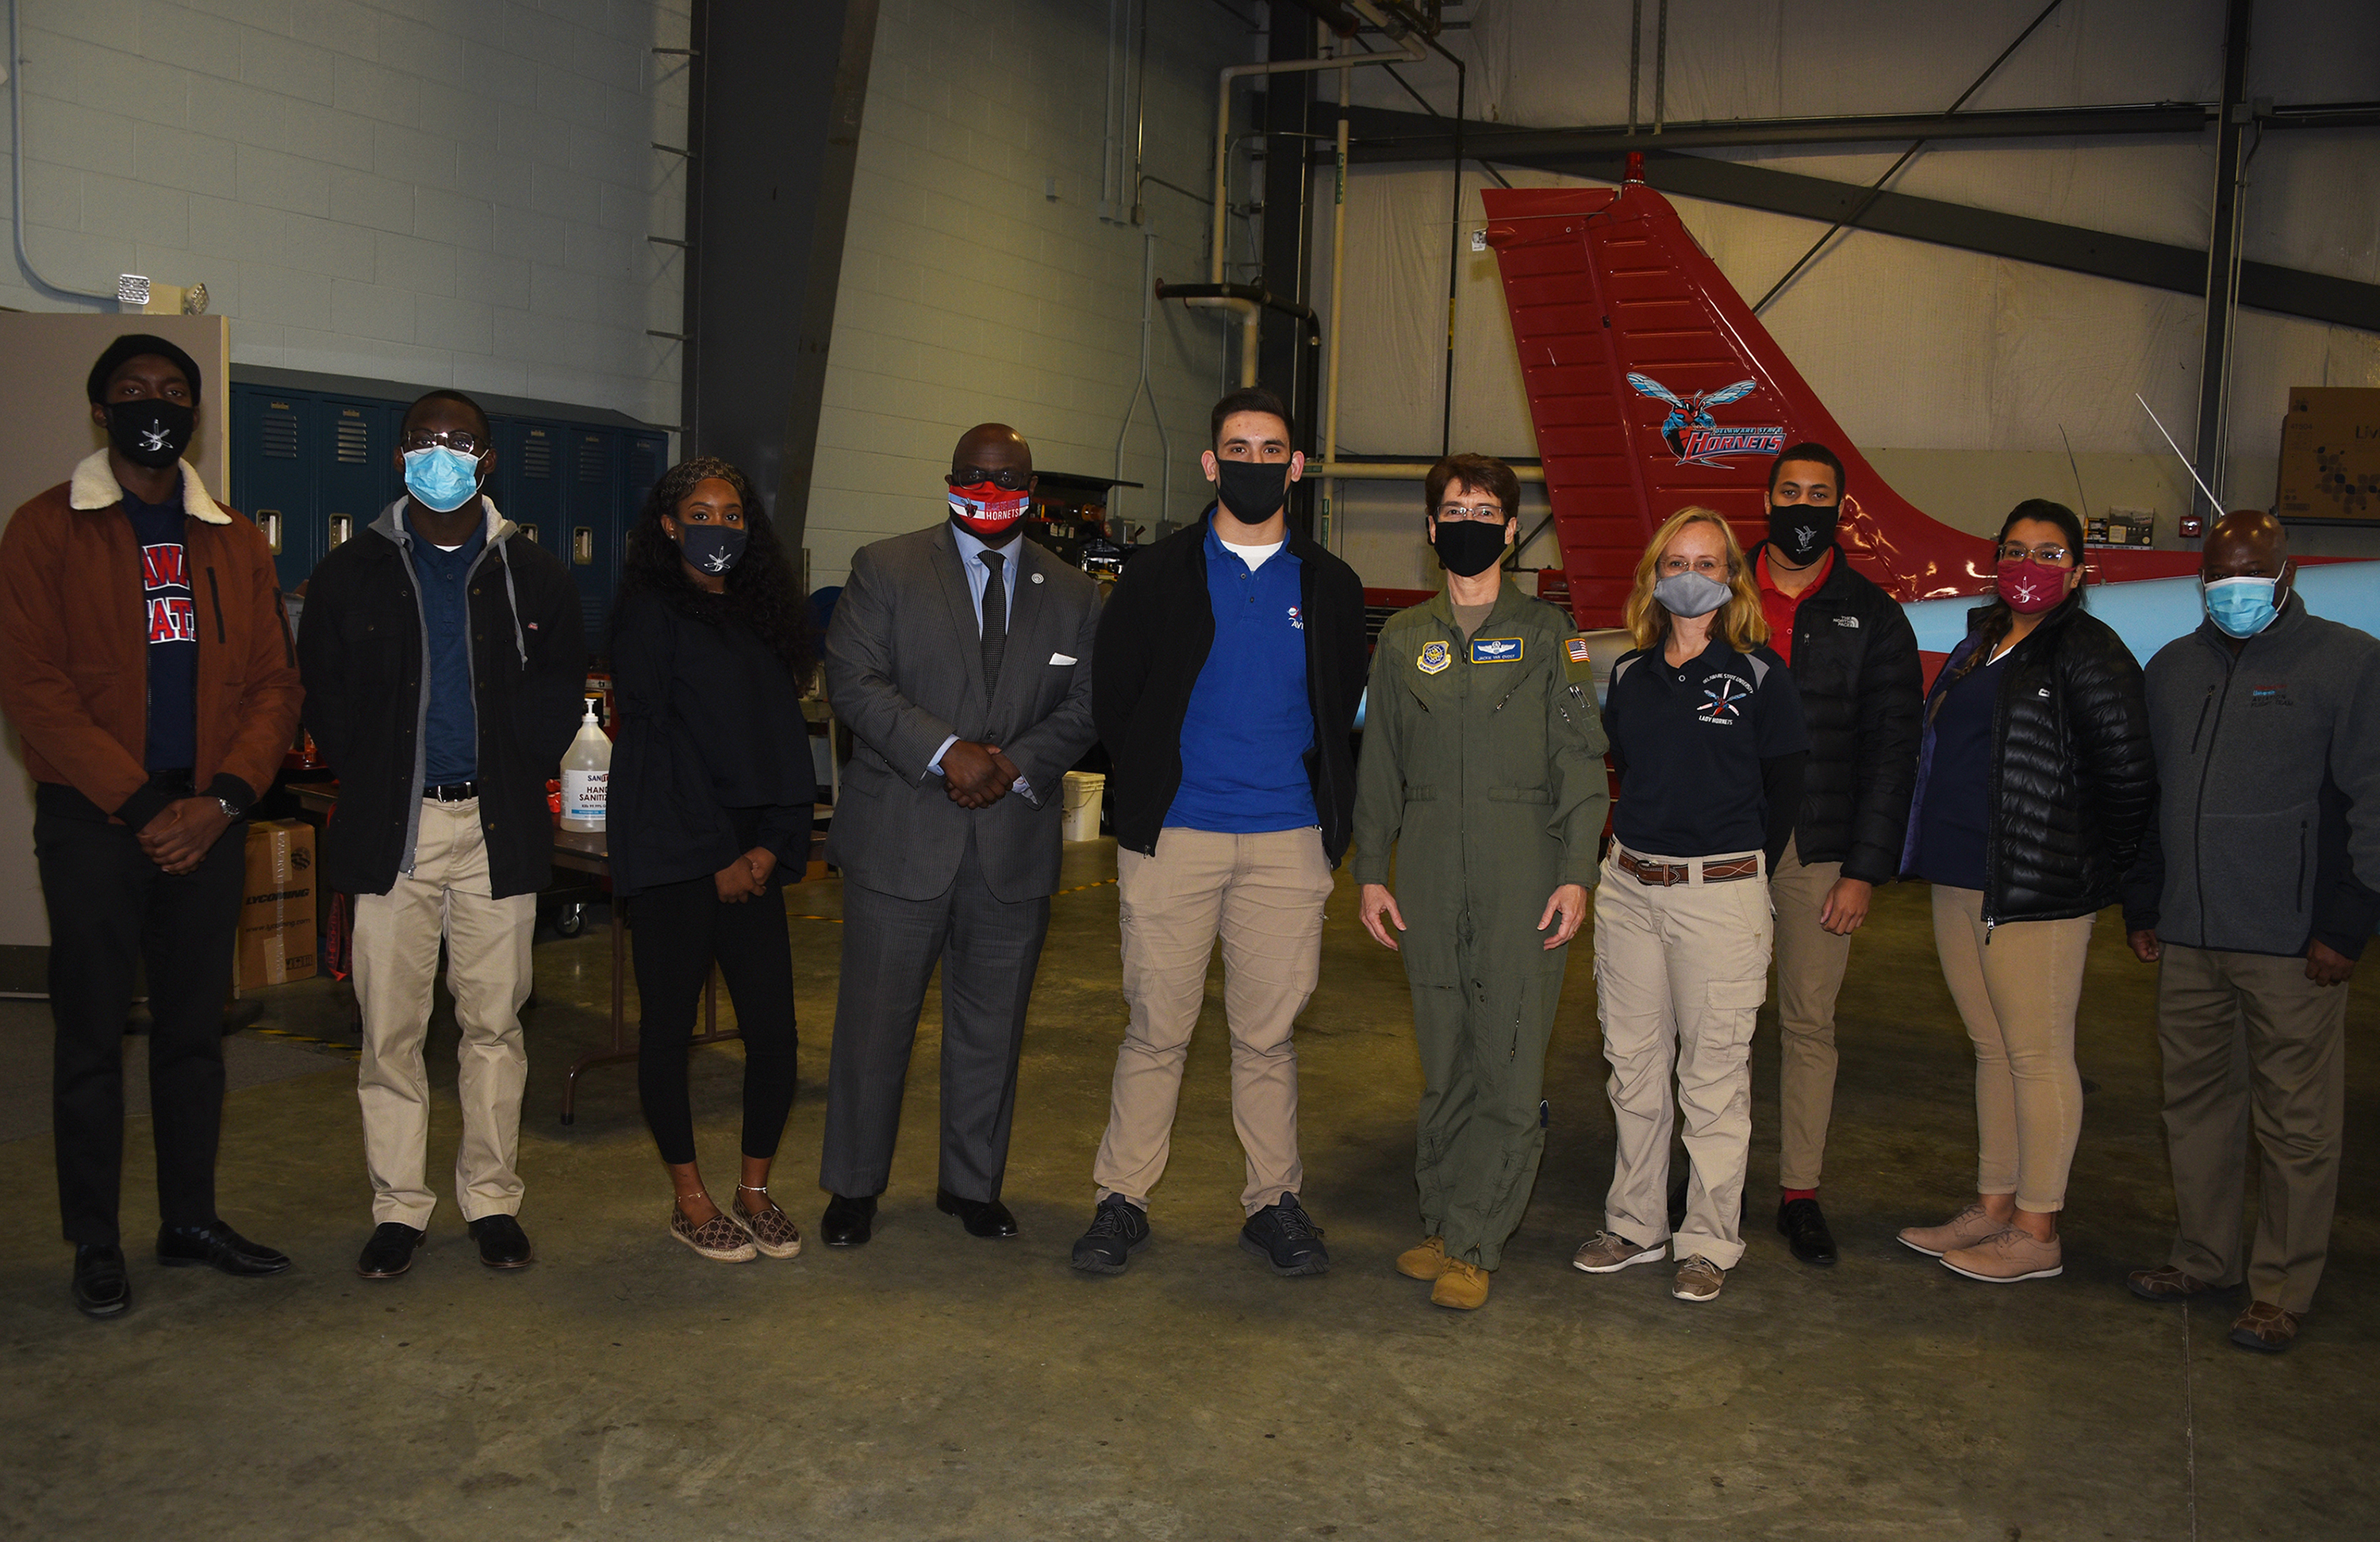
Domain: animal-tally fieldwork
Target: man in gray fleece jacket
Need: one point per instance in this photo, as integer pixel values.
(2255, 895)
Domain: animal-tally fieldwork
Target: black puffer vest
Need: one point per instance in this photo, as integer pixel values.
(2073, 780)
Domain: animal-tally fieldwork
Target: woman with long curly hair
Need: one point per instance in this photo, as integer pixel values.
(709, 816)
(1707, 736)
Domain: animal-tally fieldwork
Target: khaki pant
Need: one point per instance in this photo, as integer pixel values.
(1263, 894)
(1680, 973)
(396, 938)
(2247, 1038)
(1810, 962)
(2017, 986)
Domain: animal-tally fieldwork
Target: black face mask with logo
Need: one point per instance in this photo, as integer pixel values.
(1802, 533)
(150, 430)
(1469, 547)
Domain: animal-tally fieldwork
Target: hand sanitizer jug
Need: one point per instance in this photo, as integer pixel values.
(586, 776)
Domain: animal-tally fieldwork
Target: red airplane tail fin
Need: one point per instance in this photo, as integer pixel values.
(1653, 386)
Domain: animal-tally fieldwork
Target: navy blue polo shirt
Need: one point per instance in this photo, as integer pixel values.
(170, 618)
(1954, 819)
(1249, 725)
(1691, 740)
(451, 732)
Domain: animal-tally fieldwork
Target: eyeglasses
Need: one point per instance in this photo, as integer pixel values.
(1008, 479)
(1476, 511)
(1709, 567)
(462, 440)
(2048, 557)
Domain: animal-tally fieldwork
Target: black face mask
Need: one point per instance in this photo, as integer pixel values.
(1802, 533)
(1469, 547)
(150, 430)
(1253, 490)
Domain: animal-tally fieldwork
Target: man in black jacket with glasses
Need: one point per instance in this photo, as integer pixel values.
(1231, 658)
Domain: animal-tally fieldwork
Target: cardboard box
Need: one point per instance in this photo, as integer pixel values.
(2330, 453)
(276, 911)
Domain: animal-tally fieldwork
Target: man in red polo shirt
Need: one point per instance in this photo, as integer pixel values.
(1854, 660)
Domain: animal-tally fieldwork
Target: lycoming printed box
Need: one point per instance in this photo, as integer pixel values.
(2330, 453)
(276, 911)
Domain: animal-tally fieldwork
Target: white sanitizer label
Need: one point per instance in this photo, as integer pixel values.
(583, 795)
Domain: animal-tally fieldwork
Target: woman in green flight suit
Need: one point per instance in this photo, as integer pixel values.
(1482, 771)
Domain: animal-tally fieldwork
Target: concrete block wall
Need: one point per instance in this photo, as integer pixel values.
(968, 294)
(436, 192)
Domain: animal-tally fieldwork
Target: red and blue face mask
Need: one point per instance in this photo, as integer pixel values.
(987, 509)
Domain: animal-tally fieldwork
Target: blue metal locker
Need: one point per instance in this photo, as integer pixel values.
(273, 477)
(355, 457)
(594, 498)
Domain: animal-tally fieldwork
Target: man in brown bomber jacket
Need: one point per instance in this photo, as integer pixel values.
(146, 664)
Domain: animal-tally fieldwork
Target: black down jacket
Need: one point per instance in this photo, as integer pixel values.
(2073, 780)
(1854, 660)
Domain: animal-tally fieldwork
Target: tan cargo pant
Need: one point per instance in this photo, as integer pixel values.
(2017, 986)
(396, 938)
(1263, 894)
(1810, 964)
(2248, 1039)
(1680, 973)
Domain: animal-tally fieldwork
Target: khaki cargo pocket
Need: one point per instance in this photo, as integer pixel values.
(1733, 1009)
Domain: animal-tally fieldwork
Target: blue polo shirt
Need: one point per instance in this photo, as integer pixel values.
(1691, 739)
(1245, 736)
(451, 733)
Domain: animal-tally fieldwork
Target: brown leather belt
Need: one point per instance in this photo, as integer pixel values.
(1665, 875)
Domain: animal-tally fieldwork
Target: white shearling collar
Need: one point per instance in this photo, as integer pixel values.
(94, 487)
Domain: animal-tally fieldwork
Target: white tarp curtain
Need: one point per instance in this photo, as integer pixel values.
(1910, 344)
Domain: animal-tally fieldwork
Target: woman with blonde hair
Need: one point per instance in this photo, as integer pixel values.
(1707, 736)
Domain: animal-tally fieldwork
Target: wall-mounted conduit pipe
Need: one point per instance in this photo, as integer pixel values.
(16, 177)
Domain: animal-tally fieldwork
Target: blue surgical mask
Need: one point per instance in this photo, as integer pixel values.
(442, 478)
(2241, 607)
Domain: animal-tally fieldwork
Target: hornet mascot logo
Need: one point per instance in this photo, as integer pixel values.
(1694, 436)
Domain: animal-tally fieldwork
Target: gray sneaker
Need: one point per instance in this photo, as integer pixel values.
(1698, 1280)
(1609, 1253)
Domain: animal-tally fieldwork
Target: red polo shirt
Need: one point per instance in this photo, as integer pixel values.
(1780, 606)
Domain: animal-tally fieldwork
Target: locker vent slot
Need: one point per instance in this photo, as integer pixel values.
(353, 442)
(278, 433)
(594, 466)
(536, 457)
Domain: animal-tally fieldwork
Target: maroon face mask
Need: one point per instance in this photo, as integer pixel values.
(2029, 587)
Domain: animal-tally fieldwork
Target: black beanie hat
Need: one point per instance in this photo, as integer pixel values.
(132, 345)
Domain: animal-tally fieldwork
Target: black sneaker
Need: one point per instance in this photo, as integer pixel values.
(390, 1251)
(1283, 1235)
(1119, 1230)
(502, 1244)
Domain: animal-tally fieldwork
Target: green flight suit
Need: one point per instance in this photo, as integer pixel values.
(1482, 770)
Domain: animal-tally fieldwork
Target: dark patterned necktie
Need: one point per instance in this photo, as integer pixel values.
(995, 619)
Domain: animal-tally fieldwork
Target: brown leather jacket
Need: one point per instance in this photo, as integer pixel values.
(74, 664)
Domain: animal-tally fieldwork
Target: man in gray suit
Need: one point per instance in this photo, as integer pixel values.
(960, 659)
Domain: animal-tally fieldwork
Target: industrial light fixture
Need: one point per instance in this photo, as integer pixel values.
(134, 292)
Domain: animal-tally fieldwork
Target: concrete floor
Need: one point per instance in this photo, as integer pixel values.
(931, 1385)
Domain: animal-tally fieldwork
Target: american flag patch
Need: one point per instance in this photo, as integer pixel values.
(1577, 647)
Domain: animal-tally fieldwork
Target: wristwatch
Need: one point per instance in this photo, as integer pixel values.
(232, 811)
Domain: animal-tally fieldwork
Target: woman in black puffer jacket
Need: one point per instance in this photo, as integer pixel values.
(2035, 785)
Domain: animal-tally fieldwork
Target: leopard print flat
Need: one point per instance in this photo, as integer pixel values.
(718, 1239)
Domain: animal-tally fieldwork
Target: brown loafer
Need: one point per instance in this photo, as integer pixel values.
(2264, 1328)
(2167, 1284)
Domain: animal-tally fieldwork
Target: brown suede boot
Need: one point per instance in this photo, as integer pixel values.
(1463, 1286)
(1425, 1261)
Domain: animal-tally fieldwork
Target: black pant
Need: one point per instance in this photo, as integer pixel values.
(988, 948)
(678, 929)
(111, 907)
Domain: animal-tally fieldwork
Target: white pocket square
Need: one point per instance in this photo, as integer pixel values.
(1062, 658)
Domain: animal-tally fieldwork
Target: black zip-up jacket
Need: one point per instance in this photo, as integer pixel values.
(364, 659)
(1153, 640)
(2073, 780)
(2268, 771)
(1855, 663)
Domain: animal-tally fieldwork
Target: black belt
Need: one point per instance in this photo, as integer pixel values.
(453, 791)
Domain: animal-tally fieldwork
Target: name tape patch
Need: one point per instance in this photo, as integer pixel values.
(1495, 651)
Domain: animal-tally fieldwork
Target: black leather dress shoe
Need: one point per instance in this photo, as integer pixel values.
(982, 1218)
(502, 1244)
(1804, 1226)
(101, 1288)
(390, 1252)
(217, 1246)
(848, 1222)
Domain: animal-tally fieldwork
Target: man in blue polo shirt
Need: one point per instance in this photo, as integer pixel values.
(1230, 661)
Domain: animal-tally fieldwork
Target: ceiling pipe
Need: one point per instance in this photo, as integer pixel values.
(17, 179)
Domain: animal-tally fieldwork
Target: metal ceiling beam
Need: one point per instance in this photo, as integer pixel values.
(1384, 134)
(2225, 281)
(2156, 264)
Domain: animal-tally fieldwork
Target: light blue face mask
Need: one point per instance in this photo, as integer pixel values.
(442, 478)
(2241, 607)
